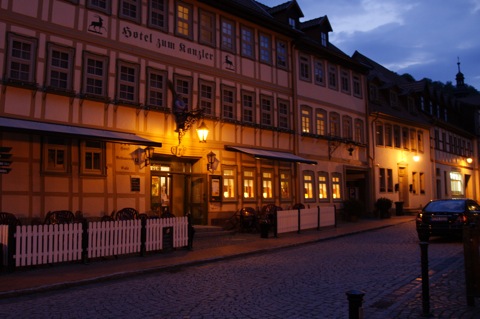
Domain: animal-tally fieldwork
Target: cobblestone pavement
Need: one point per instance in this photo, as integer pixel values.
(308, 281)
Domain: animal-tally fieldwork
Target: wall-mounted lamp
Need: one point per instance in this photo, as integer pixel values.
(148, 154)
(469, 160)
(202, 132)
(212, 162)
(416, 158)
(350, 150)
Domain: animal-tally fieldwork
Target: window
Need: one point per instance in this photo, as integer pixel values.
(228, 35)
(265, 47)
(283, 114)
(382, 180)
(405, 138)
(321, 122)
(184, 20)
(59, 67)
(411, 104)
(229, 181)
(347, 127)
(388, 135)
(323, 39)
(158, 14)
(413, 140)
(156, 89)
(357, 86)
(285, 188)
(456, 184)
(393, 99)
(248, 107)
(396, 136)
(323, 186)
(247, 42)
(183, 88)
(95, 75)
(266, 110)
(21, 60)
(379, 137)
(308, 186)
(282, 54)
(334, 124)
(206, 35)
(207, 96)
(55, 155)
(373, 92)
(248, 183)
(306, 119)
(422, 183)
(100, 5)
(332, 77)
(228, 102)
(93, 154)
(127, 82)
(305, 73)
(267, 185)
(336, 186)
(345, 80)
(389, 180)
(420, 141)
(130, 10)
(414, 183)
(359, 134)
(318, 73)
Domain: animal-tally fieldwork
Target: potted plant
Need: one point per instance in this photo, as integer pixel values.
(352, 209)
(383, 206)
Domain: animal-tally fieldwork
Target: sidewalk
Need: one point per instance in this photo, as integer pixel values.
(205, 249)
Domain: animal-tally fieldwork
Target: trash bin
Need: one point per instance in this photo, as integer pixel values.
(399, 208)
(264, 227)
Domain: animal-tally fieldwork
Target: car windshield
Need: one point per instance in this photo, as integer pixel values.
(450, 206)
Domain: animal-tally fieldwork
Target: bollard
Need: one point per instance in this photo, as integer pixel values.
(355, 300)
(423, 235)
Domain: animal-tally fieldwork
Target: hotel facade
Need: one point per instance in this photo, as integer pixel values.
(100, 103)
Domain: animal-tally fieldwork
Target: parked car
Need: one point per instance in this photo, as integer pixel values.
(447, 217)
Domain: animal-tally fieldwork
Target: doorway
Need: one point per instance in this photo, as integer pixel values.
(175, 189)
(403, 187)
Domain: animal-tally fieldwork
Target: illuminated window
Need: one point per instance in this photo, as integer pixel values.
(229, 178)
(285, 192)
(248, 183)
(336, 186)
(456, 183)
(267, 185)
(323, 186)
(359, 135)
(184, 20)
(308, 186)
(321, 122)
(306, 119)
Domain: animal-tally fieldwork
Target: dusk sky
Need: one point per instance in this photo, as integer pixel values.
(421, 37)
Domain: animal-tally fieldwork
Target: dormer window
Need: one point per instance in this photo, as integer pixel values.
(292, 23)
(323, 39)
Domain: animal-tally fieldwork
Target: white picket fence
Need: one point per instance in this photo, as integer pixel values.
(48, 244)
(287, 220)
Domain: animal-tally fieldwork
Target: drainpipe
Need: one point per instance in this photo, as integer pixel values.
(296, 137)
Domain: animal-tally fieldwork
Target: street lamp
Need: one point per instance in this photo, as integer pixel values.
(148, 154)
(202, 132)
(211, 159)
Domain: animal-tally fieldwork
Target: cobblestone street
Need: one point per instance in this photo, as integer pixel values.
(308, 281)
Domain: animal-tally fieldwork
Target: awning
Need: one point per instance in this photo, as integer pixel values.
(273, 155)
(75, 131)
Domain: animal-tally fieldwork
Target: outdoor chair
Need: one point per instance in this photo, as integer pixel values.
(127, 213)
(59, 217)
(9, 219)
